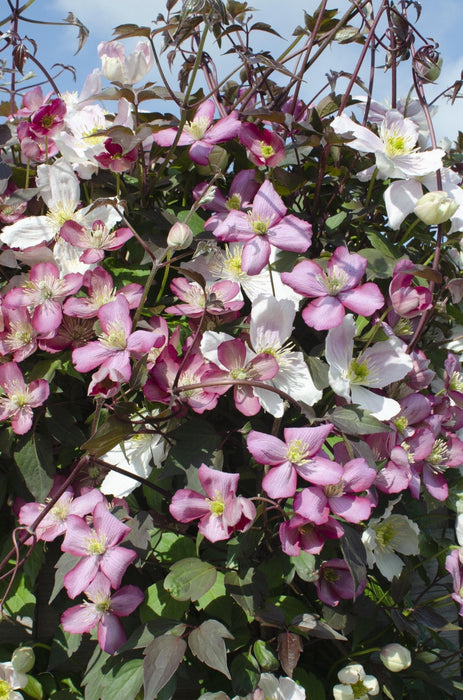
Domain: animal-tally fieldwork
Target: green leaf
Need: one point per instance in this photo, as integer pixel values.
(245, 674)
(124, 682)
(264, 654)
(354, 554)
(382, 244)
(218, 590)
(380, 265)
(169, 547)
(162, 658)
(34, 457)
(65, 563)
(244, 591)
(189, 579)
(355, 421)
(305, 566)
(207, 644)
(20, 601)
(111, 433)
(159, 603)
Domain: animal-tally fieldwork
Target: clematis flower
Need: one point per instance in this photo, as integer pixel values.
(265, 225)
(59, 188)
(103, 611)
(394, 149)
(44, 292)
(300, 453)
(11, 680)
(49, 118)
(114, 158)
(270, 328)
(134, 455)
(408, 301)
(95, 240)
(387, 535)
(235, 362)
(334, 289)
(20, 397)
(218, 299)
(301, 533)
(19, 336)
(453, 564)
(264, 147)
(54, 522)
(220, 512)
(272, 688)
(199, 134)
(128, 70)
(101, 291)
(98, 549)
(335, 582)
(379, 365)
(355, 683)
(116, 343)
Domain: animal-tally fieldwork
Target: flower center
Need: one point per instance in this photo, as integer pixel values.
(439, 454)
(61, 510)
(359, 690)
(456, 382)
(396, 144)
(401, 423)
(239, 373)
(266, 150)
(358, 372)
(216, 505)
(297, 452)
(4, 690)
(234, 202)
(330, 575)
(19, 399)
(260, 226)
(335, 281)
(197, 127)
(96, 545)
(333, 490)
(385, 534)
(115, 339)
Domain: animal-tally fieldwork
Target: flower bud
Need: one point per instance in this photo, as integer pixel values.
(180, 236)
(265, 656)
(218, 160)
(428, 64)
(435, 207)
(395, 657)
(23, 659)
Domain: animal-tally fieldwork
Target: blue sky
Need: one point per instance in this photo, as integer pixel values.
(440, 20)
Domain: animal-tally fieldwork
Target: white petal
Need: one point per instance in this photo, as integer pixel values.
(380, 407)
(58, 185)
(28, 232)
(400, 199)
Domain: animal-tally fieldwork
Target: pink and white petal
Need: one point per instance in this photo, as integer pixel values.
(352, 265)
(108, 525)
(58, 184)
(324, 313)
(21, 420)
(126, 600)
(266, 449)
(213, 528)
(199, 152)
(38, 392)
(255, 256)
(312, 438)
(291, 233)
(352, 508)
(77, 536)
(47, 317)
(245, 400)
(340, 345)
(216, 482)
(307, 278)
(114, 563)
(188, 505)
(358, 476)
(80, 577)
(312, 504)
(11, 378)
(435, 483)
(91, 355)
(290, 537)
(111, 635)
(80, 618)
(224, 129)
(280, 482)
(363, 300)
(320, 471)
(166, 137)
(85, 504)
(268, 205)
(116, 312)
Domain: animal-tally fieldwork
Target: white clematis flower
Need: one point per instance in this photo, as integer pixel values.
(59, 188)
(387, 535)
(355, 684)
(395, 148)
(379, 365)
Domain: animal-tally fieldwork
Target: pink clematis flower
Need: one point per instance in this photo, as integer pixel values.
(454, 565)
(218, 299)
(19, 336)
(300, 453)
(220, 512)
(94, 241)
(334, 289)
(54, 523)
(98, 549)
(104, 610)
(265, 225)
(44, 293)
(101, 290)
(264, 147)
(234, 363)
(199, 134)
(128, 70)
(335, 582)
(116, 343)
(49, 118)
(20, 398)
(115, 159)
(301, 533)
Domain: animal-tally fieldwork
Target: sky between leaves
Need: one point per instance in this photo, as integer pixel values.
(441, 21)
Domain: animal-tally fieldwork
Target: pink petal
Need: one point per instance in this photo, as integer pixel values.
(266, 449)
(108, 525)
(126, 600)
(280, 482)
(187, 505)
(80, 618)
(81, 576)
(214, 481)
(114, 563)
(111, 635)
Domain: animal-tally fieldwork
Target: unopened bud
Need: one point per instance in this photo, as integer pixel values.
(435, 207)
(428, 64)
(395, 657)
(218, 161)
(23, 659)
(180, 236)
